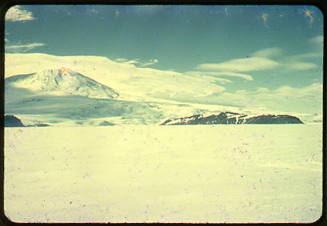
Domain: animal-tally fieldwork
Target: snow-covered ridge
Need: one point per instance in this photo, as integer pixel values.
(233, 118)
(62, 81)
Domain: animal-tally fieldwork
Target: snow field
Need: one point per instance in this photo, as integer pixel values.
(207, 173)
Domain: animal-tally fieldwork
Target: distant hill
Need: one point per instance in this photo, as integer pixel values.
(233, 118)
(12, 121)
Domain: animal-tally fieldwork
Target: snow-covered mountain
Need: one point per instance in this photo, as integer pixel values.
(65, 97)
(62, 96)
(61, 82)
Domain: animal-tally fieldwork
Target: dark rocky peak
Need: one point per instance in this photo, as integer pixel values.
(12, 121)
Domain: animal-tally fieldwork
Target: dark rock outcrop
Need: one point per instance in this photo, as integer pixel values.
(12, 121)
(274, 119)
(106, 123)
(233, 118)
(39, 125)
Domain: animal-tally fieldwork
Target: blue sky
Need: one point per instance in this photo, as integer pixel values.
(253, 47)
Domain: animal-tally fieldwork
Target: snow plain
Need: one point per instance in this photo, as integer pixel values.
(189, 174)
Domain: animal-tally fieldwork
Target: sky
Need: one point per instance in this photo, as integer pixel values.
(268, 56)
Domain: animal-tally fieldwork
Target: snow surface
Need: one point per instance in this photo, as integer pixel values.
(202, 173)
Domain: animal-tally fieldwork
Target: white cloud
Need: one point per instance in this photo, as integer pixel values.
(317, 41)
(222, 80)
(16, 13)
(222, 73)
(121, 59)
(309, 55)
(241, 65)
(302, 66)
(151, 62)
(208, 77)
(313, 89)
(127, 61)
(262, 90)
(232, 74)
(296, 101)
(137, 62)
(261, 61)
(23, 48)
(268, 52)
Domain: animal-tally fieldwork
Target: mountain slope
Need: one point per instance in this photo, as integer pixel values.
(61, 82)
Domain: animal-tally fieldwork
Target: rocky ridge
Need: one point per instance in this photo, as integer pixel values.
(233, 118)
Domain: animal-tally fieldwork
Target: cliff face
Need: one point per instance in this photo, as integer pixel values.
(233, 118)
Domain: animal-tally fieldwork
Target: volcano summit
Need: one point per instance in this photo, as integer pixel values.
(61, 82)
